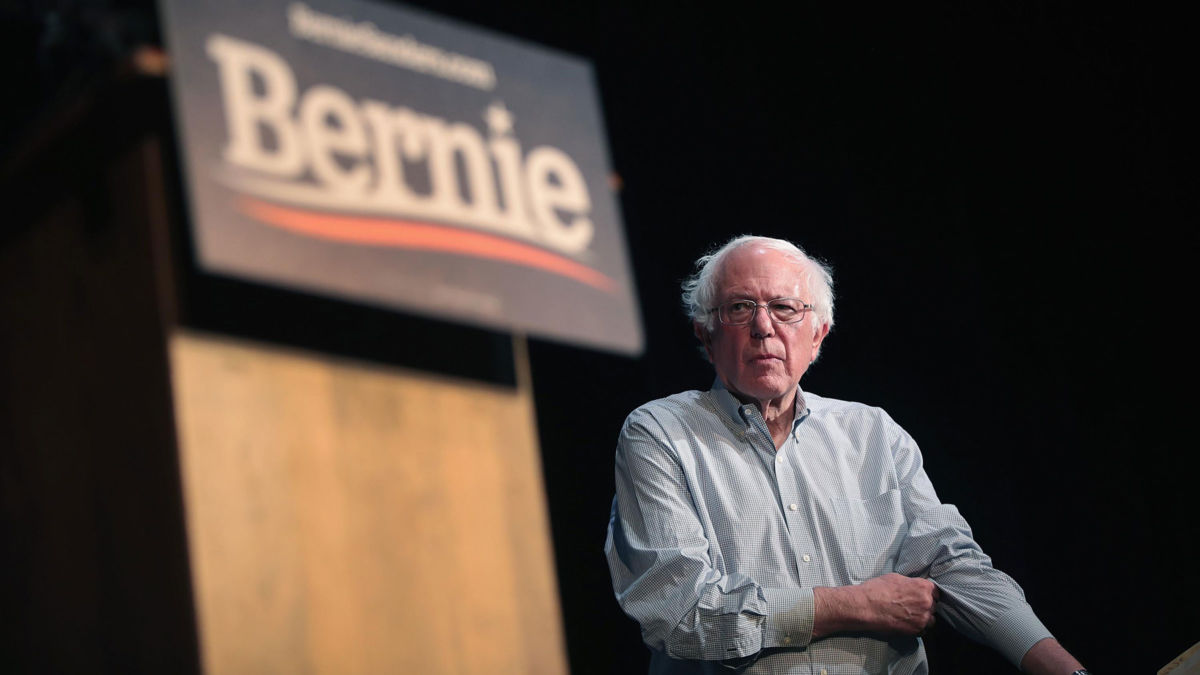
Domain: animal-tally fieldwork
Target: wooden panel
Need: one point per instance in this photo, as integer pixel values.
(346, 518)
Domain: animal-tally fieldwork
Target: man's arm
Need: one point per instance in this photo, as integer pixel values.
(1049, 658)
(890, 604)
(976, 599)
(663, 576)
(897, 604)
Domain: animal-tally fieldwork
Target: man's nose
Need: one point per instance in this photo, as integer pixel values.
(761, 326)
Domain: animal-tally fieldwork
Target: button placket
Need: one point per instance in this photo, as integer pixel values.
(789, 497)
(794, 502)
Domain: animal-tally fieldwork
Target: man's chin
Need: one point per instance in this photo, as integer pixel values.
(764, 391)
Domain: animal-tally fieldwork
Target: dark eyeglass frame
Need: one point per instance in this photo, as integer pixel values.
(724, 308)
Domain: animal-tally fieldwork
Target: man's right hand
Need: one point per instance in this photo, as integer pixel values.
(900, 604)
(891, 604)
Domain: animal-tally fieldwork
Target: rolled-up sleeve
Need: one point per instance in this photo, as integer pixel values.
(662, 572)
(977, 599)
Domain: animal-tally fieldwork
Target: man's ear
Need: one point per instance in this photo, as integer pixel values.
(704, 337)
(818, 338)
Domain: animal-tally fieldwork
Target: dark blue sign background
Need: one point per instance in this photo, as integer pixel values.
(290, 227)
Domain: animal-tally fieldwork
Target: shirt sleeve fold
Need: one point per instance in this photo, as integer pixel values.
(663, 576)
(978, 600)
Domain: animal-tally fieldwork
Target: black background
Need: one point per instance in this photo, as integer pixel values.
(1001, 192)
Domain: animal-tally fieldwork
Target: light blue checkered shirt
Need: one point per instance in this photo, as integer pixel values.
(716, 540)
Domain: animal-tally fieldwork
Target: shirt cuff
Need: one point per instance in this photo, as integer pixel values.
(789, 617)
(1016, 632)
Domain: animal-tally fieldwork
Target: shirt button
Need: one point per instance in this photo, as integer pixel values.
(824, 672)
(778, 457)
(787, 639)
(806, 557)
(793, 507)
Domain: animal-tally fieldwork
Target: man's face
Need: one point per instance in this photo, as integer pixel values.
(764, 360)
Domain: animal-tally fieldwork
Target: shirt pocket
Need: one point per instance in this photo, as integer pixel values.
(869, 533)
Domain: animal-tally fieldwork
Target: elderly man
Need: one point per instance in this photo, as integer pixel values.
(763, 528)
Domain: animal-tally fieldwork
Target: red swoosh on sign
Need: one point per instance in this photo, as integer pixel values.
(423, 237)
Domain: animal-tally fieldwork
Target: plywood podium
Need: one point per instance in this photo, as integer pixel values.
(185, 499)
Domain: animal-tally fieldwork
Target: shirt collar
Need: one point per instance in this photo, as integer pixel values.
(739, 413)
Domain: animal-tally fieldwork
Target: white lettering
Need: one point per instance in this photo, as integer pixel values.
(329, 151)
(345, 137)
(397, 133)
(555, 185)
(237, 63)
(364, 39)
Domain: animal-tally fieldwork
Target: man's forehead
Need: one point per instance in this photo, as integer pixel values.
(754, 268)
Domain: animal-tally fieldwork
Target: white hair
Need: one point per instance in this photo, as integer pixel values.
(700, 289)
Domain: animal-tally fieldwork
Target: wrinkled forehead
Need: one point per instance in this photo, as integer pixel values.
(754, 271)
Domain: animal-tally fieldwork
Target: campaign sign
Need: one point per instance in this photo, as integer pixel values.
(384, 155)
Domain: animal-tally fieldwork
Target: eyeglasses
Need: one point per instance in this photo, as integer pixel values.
(781, 310)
